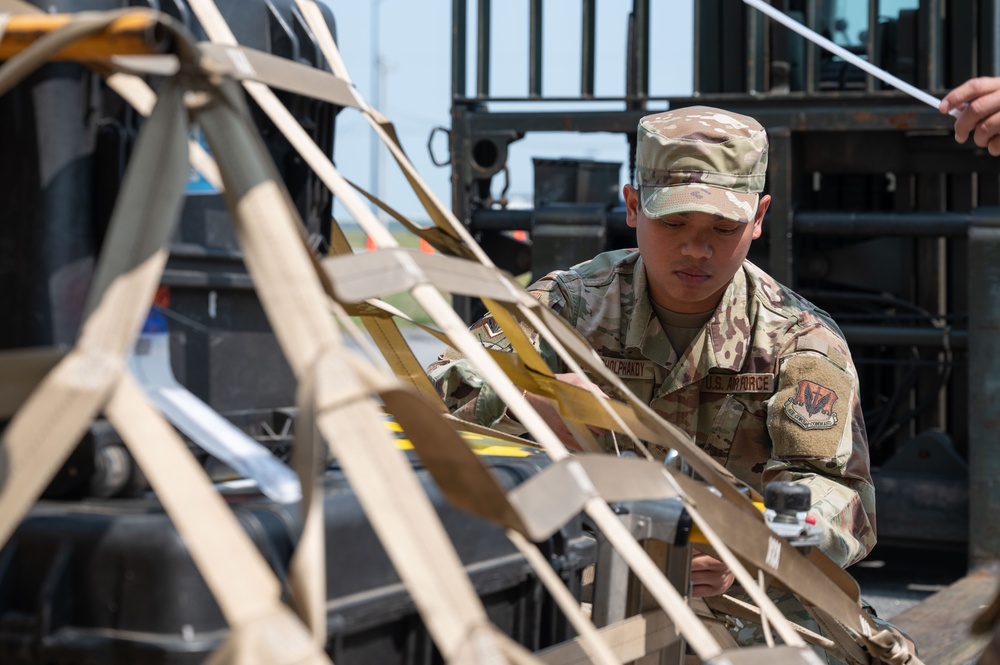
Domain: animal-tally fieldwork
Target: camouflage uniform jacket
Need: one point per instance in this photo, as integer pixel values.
(767, 387)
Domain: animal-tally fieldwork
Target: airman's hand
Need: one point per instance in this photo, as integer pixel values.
(709, 576)
(978, 102)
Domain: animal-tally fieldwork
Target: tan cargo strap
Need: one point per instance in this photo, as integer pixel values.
(429, 297)
(385, 484)
(629, 639)
(390, 271)
(590, 640)
(307, 568)
(438, 238)
(442, 218)
(748, 582)
(92, 376)
(760, 655)
(417, 286)
(553, 497)
(394, 501)
(739, 609)
(246, 589)
(219, 32)
(767, 552)
(385, 333)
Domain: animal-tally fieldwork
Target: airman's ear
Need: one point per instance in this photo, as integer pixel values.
(758, 221)
(631, 195)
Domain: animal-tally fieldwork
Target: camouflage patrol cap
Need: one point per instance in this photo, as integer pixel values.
(701, 159)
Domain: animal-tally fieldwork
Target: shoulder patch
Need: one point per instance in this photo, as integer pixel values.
(808, 414)
(812, 406)
(490, 334)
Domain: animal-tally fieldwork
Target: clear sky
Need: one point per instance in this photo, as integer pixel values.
(414, 44)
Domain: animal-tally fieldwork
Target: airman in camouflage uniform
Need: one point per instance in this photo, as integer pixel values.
(760, 378)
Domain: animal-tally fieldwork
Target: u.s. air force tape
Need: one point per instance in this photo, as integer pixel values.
(738, 383)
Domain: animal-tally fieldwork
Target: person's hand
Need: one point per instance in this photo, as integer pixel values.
(709, 576)
(978, 102)
(549, 412)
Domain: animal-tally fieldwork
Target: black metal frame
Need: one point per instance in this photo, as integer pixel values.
(890, 177)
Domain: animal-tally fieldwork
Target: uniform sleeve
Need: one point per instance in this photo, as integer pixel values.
(819, 440)
(465, 392)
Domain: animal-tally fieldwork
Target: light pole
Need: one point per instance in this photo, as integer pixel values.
(377, 83)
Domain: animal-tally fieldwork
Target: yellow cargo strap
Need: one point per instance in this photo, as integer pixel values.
(431, 299)
(291, 293)
(417, 287)
(441, 311)
(129, 34)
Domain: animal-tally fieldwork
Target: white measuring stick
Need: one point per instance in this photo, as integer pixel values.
(820, 40)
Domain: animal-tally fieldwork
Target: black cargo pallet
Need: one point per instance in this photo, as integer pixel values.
(109, 582)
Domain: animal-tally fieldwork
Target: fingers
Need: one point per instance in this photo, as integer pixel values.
(547, 410)
(971, 89)
(979, 100)
(709, 576)
(994, 146)
(580, 382)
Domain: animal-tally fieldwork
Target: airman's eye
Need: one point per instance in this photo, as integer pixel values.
(727, 230)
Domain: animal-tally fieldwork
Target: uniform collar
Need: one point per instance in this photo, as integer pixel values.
(730, 329)
(723, 344)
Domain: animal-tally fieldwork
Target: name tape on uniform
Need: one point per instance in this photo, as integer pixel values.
(626, 368)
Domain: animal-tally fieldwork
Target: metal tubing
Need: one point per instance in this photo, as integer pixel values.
(641, 10)
(836, 223)
(989, 39)
(522, 220)
(535, 49)
(754, 53)
(872, 44)
(945, 224)
(935, 50)
(862, 335)
(984, 388)
(483, 50)
(459, 34)
(812, 51)
(782, 206)
(588, 48)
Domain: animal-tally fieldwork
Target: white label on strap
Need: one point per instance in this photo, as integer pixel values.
(773, 558)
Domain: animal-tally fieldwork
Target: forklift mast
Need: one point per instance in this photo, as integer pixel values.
(877, 215)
